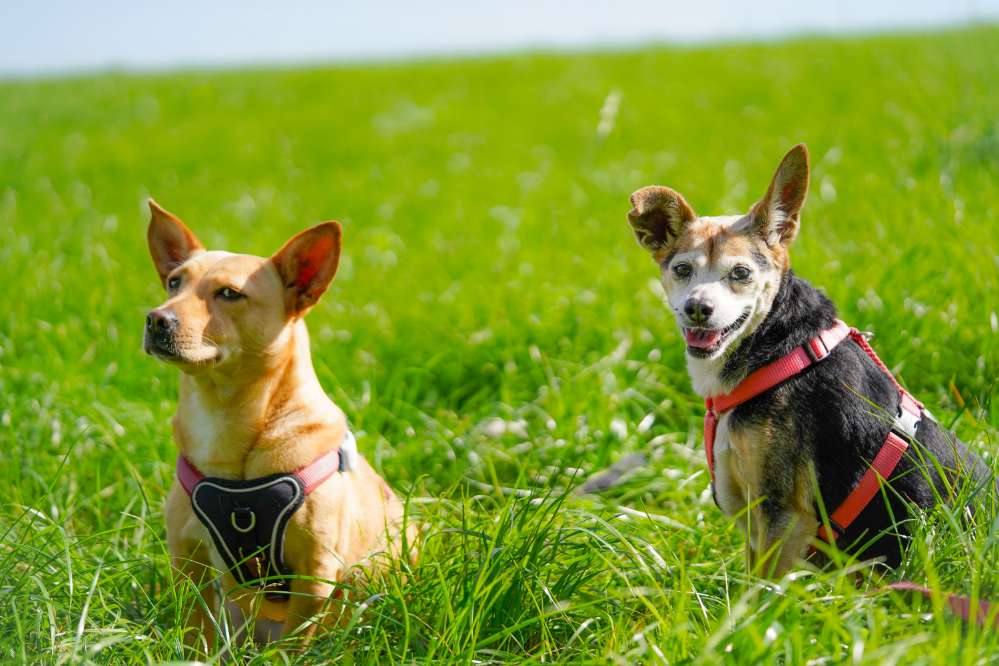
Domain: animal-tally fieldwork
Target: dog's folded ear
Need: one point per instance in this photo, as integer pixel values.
(306, 265)
(777, 214)
(657, 217)
(171, 243)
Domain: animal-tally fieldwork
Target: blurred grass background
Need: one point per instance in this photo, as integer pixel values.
(494, 330)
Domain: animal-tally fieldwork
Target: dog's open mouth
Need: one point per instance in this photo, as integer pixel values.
(706, 341)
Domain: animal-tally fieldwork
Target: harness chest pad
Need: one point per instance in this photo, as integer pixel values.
(247, 520)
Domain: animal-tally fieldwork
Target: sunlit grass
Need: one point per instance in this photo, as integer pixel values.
(495, 336)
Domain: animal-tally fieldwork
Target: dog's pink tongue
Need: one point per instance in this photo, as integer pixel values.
(701, 338)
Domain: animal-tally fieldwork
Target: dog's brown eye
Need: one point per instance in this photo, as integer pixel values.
(173, 283)
(740, 273)
(682, 270)
(229, 294)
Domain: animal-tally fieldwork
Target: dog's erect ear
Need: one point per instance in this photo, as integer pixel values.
(307, 264)
(171, 243)
(657, 217)
(777, 214)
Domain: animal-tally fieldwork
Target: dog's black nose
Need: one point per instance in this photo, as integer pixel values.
(161, 323)
(698, 309)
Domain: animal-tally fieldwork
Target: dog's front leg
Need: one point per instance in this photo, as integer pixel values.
(781, 542)
(190, 560)
(308, 607)
(189, 565)
(784, 527)
(314, 596)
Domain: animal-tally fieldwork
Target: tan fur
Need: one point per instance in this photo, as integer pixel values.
(250, 406)
(717, 240)
(775, 543)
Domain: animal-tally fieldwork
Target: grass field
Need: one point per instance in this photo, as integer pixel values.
(495, 334)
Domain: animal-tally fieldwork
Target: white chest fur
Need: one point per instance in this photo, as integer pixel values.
(730, 496)
(705, 375)
(203, 430)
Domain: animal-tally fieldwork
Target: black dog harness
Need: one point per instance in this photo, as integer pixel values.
(247, 518)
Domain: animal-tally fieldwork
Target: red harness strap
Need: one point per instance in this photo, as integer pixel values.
(810, 353)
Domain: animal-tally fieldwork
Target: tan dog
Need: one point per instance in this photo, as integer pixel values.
(251, 406)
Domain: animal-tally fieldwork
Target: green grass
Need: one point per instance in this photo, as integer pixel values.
(489, 273)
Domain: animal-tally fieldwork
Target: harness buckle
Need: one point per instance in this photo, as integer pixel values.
(816, 349)
(906, 423)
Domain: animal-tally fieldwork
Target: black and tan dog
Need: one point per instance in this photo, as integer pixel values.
(793, 395)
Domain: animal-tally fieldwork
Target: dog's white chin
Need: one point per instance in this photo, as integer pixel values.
(705, 370)
(187, 360)
(705, 374)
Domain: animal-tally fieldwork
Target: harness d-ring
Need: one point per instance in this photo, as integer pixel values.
(243, 530)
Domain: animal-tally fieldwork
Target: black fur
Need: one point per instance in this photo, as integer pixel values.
(825, 414)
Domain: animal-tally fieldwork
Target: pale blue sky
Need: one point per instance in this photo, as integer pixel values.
(69, 35)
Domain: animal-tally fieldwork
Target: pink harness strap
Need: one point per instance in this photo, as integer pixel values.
(312, 475)
(187, 474)
(808, 354)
